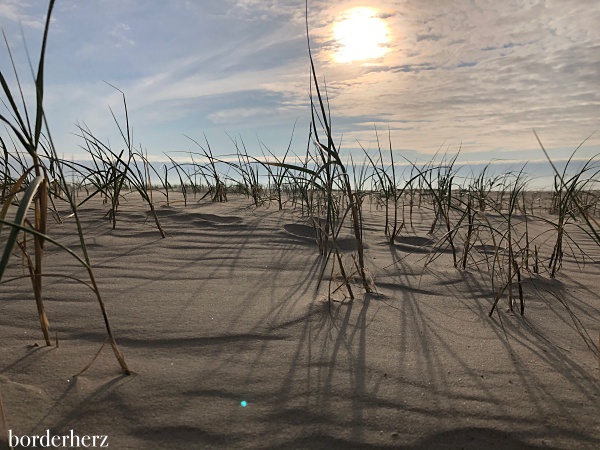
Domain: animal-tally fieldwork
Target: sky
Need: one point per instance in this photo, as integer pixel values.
(474, 75)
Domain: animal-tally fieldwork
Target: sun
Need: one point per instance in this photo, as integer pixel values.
(361, 35)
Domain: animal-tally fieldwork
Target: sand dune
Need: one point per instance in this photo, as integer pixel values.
(226, 309)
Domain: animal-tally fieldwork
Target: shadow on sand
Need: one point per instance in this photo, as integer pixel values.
(460, 438)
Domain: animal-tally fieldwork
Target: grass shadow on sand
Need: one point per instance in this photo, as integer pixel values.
(460, 438)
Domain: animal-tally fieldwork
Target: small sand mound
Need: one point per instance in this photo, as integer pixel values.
(300, 230)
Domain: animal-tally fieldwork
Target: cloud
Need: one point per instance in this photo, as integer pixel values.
(428, 37)
(487, 75)
(121, 32)
(19, 12)
(484, 74)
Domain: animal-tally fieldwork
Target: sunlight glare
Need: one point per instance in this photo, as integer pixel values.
(361, 35)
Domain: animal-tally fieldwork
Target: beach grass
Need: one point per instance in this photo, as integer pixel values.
(40, 168)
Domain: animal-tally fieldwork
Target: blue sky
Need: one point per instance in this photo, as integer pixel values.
(483, 74)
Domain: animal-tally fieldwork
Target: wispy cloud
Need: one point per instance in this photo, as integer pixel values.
(485, 76)
(19, 12)
(480, 74)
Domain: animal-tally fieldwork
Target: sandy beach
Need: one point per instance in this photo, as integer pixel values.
(226, 309)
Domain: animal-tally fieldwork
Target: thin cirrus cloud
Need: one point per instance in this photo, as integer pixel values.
(472, 75)
(14, 11)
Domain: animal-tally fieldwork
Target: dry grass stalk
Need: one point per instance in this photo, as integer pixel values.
(32, 186)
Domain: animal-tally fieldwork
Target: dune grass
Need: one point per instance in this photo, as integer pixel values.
(34, 174)
(115, 170)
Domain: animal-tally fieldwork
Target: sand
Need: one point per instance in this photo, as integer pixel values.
(226, 309)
